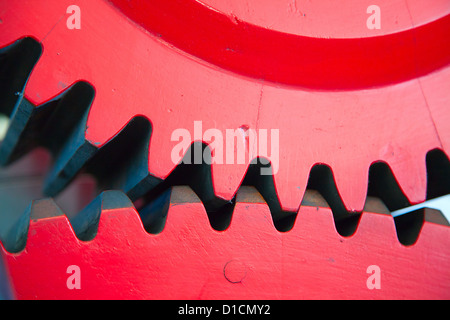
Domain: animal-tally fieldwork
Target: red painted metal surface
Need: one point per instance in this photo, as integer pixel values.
(173, 89)
(258, 52)
(339, 94)
(249, 260)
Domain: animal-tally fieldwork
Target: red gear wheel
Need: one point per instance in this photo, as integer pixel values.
(360, 113)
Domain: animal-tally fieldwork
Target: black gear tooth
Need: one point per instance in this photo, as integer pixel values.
(321, 179)
(128, 150)
(409, 226)
(14, 240)
(16, 64)
(85, 223)
(265, 185)
(154, 214)
(438, 173)
(382, 184)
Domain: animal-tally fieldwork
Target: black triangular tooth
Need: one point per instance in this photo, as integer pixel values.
(154, 214)
(199, 178)
(71, 150)
(68, 164)
(15, 238)
(265, 185)
(57, 128)
(321, 179)
(85, 223)
(408, 227)
(128, 150)
(16, 64)
(438, 174)
(383, 185)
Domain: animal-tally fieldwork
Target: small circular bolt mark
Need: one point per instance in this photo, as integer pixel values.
(235, 271)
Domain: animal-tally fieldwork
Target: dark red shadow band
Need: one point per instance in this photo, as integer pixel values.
(316, 63)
